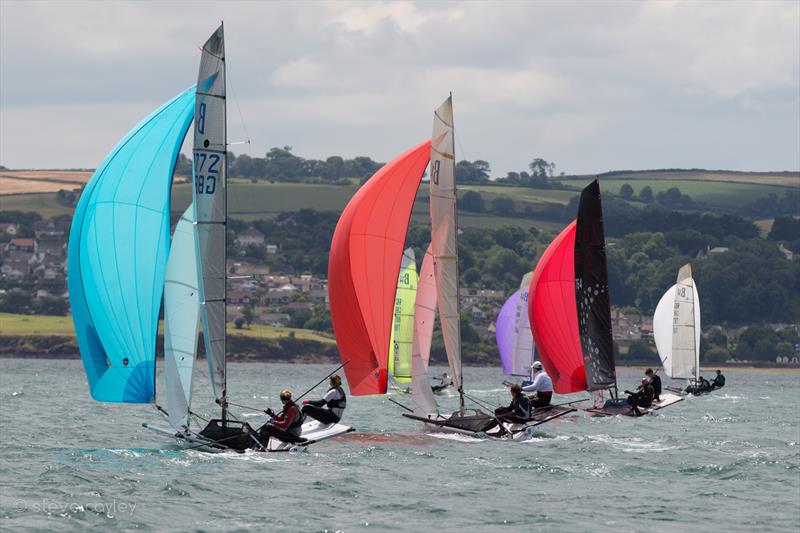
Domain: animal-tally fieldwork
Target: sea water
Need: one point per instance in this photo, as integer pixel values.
(729, 461)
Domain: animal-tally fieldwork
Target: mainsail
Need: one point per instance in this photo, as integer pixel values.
(514, 336)
(443, 234)
(676, 328)
(363, 266)
(403, 319)
(181, 321)
(591, 292)
(117, 255)
(209, 194)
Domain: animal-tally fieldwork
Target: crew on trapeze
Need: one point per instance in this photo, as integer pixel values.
(286, 425)
(330, 408)
(643, 397)
(655, 381)
(518, 411)
(542, 386)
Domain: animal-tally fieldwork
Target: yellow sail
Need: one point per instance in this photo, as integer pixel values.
(400, 344)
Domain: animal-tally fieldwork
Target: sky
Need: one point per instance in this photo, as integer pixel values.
(590, 86)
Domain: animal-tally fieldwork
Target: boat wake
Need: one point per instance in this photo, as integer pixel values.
(631, 445)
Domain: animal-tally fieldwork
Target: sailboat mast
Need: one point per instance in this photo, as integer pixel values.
(458, 270)
(209, 167)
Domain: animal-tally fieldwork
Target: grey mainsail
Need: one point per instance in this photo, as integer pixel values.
(209, 194)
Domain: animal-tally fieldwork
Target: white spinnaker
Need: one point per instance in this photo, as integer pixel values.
(181, 321)
(443, 234)
(676, 328)
(522, 355)
(422, 399)
(209, 170)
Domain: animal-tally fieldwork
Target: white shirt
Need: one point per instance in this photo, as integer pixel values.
(334, 395)
(541, 382)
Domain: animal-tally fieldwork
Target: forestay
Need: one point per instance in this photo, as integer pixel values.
(181, 321)
(117, 255)
(676, 328)
(209, 195)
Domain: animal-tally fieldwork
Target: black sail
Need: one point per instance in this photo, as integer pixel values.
(591, 292)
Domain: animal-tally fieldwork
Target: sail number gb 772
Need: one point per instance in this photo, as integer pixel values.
(206, 171)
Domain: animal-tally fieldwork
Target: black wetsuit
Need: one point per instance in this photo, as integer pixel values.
(718, 382)
(519, 410)
(641, 398)
(655, 381)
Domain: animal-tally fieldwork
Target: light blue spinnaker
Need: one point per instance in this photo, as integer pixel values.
(181, 321)
(117, 255)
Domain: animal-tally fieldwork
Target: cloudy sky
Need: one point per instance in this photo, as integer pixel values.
(591, 86)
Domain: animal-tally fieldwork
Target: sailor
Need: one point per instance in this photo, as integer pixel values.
(719, 381)
(519, 410)
(703, 384)
(287, 424)
(643, 397)
(655, 381)
(330, 408)
(542, 386)
(444, 380)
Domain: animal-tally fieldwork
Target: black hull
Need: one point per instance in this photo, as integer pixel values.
(232, 435)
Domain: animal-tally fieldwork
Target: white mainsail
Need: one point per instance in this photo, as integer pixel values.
(676, 328)
(422, 399)
(443, 234)
(181, 321)
(209, 194)
(522, 354)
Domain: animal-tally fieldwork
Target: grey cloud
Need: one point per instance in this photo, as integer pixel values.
(592, 86)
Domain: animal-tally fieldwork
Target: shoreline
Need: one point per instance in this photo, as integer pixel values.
(311, 359)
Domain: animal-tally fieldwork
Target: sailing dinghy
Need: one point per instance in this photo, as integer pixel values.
(570, 311)
(121, 263)
(676, 330)
(363, 268)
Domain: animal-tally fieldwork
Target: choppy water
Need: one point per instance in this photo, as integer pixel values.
(729, 461)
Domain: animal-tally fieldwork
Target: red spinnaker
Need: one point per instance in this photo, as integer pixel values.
(553, 314)
(363, 266)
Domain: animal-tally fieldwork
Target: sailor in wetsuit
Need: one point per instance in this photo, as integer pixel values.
(719, 381)
(286, 425)
(655, 381)
(335, 400)
(643, 397)
(519, 410)
(542, 386)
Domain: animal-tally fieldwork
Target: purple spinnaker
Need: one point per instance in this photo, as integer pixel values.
(505, 332)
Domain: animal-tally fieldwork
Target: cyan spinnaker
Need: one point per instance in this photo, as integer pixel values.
(117, 255)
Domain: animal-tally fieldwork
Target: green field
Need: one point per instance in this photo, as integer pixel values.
(14, 325)
(44, 203)
(720, 194)
(524, 194)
